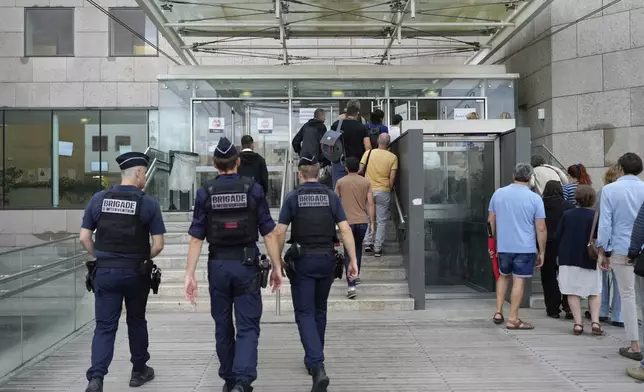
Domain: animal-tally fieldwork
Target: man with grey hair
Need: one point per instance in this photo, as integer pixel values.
(354, 104)
(379, 166)
(516, 217)
(544, 173)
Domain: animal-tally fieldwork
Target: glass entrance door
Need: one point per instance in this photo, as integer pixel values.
(266, 121)
(439, 108)
(460, 178)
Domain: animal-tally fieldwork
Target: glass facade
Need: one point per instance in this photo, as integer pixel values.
(61, 158)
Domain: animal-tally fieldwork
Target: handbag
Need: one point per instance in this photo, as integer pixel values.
(593, 252)
(639, 265)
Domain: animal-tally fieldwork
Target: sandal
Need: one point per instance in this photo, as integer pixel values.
(498, 320)
(578, 329)
(518, 324)
(597, 329)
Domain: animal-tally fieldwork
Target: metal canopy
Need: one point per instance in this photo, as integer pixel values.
(291, 31)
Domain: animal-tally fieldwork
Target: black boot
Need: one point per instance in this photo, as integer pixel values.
(95, 385)
(140, 378)
(320, 380)
(308, 369)
(242, 387)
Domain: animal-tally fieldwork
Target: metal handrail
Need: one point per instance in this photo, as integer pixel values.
(40, 282)
(156, 153)
(551, 154)
(401, 216)
(156, 165)
(37, 270)
(37, 245)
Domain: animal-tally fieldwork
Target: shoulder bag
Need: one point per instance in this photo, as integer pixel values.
(593, 253)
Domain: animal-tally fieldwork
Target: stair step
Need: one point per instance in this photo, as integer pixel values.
(339, 288)
(336, 303)
(181, 249)
(367, 273)
(537, 302)
(179, 262)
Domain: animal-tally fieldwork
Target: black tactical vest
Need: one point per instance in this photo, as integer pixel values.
(232, 213)
(119, 227)
(313, 224)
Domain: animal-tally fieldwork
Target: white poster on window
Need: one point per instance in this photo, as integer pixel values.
(461, 113)
(265, 125)
(216, 124)
(65, 149)
(306, 114)
(402, 110)
(44, 174)
(125, 149)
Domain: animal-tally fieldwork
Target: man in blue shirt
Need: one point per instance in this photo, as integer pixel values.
(124, 219)
(516, 214)
(314, 210)
(228, 212)
(619, 205)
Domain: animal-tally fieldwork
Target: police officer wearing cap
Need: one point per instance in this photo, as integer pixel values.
(314, 210)
(124, 219)
(228, 212)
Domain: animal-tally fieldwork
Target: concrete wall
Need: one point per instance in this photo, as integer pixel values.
(589, 79)
(29, 227)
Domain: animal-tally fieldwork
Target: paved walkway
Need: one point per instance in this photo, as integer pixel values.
(453, 347)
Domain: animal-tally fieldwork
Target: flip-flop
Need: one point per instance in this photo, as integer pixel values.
(518, 324)
(496, 320)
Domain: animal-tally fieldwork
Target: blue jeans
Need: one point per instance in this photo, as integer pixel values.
(616, 307)
(359, 231)
(520, 265)
(337, 172)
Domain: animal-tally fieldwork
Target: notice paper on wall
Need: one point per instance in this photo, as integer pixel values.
(265, 125)
(125, 149)
(216, 124)
(461, 113)
(306, 114)
(65, 149)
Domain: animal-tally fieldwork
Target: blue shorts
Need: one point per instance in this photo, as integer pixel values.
(520, 265)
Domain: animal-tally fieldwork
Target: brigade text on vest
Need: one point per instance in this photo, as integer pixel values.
(313, 200)
(228, 200)
(113, 206)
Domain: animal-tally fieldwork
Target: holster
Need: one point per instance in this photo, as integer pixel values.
(91, 274)
(289, 263)
(265, 268)
(155, 277)
(339, 264)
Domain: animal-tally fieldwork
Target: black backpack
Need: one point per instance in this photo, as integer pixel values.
(373, 134)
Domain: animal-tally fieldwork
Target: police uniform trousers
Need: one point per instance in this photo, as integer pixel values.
(310, 287)
(111, 287)
(233, 285)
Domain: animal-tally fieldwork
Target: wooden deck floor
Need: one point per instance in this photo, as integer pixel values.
(453, 347)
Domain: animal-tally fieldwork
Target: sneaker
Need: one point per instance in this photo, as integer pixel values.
(636, 373)
(377, 252)
(140, 378)
(351, 292)
(358, 281)
(368, 249)
(627, 353)
(618, 324)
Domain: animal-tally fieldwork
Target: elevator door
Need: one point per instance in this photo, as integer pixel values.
(460, 178)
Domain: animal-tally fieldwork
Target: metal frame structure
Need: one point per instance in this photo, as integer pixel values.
(445, 27)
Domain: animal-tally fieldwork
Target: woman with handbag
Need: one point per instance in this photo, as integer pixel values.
(579, 275)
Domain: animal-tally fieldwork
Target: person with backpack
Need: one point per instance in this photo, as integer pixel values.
(375, 127)
(353, 140)
(307, 141)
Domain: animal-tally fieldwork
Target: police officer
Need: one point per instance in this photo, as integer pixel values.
(124, 219)
(314, 266)
(228, 212)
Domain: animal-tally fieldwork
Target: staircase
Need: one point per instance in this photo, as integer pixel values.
(384, 284)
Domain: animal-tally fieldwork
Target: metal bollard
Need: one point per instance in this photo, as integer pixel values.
(278, 303)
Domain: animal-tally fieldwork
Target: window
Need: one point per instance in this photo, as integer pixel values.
(27, 156)
(76, 181)
(123, 42)
(122, 144)
(128, 130)
(99, 143)
(49, 31)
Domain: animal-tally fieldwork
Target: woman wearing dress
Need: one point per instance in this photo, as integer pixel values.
(578, 176)
(579, 275)
(555, 206)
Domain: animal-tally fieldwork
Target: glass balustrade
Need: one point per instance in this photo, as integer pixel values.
(23, 259)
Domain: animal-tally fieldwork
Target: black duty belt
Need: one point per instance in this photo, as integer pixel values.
(311, 250)
(119, 263)
(237, 253)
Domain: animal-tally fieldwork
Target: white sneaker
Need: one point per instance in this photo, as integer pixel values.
(351, 292)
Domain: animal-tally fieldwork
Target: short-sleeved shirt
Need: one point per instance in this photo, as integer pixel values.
(516, 208)
(199, 227)
(289, 208)
(150, 216)
(353, 133)
(353, 190)
(381, 163)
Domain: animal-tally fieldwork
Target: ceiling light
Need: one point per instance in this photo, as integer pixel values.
(84, 120)
(337, 93)
(246, 93)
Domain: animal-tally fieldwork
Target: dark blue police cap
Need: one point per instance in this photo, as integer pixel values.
(307, 160)
(132, 159)
(225, 149)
